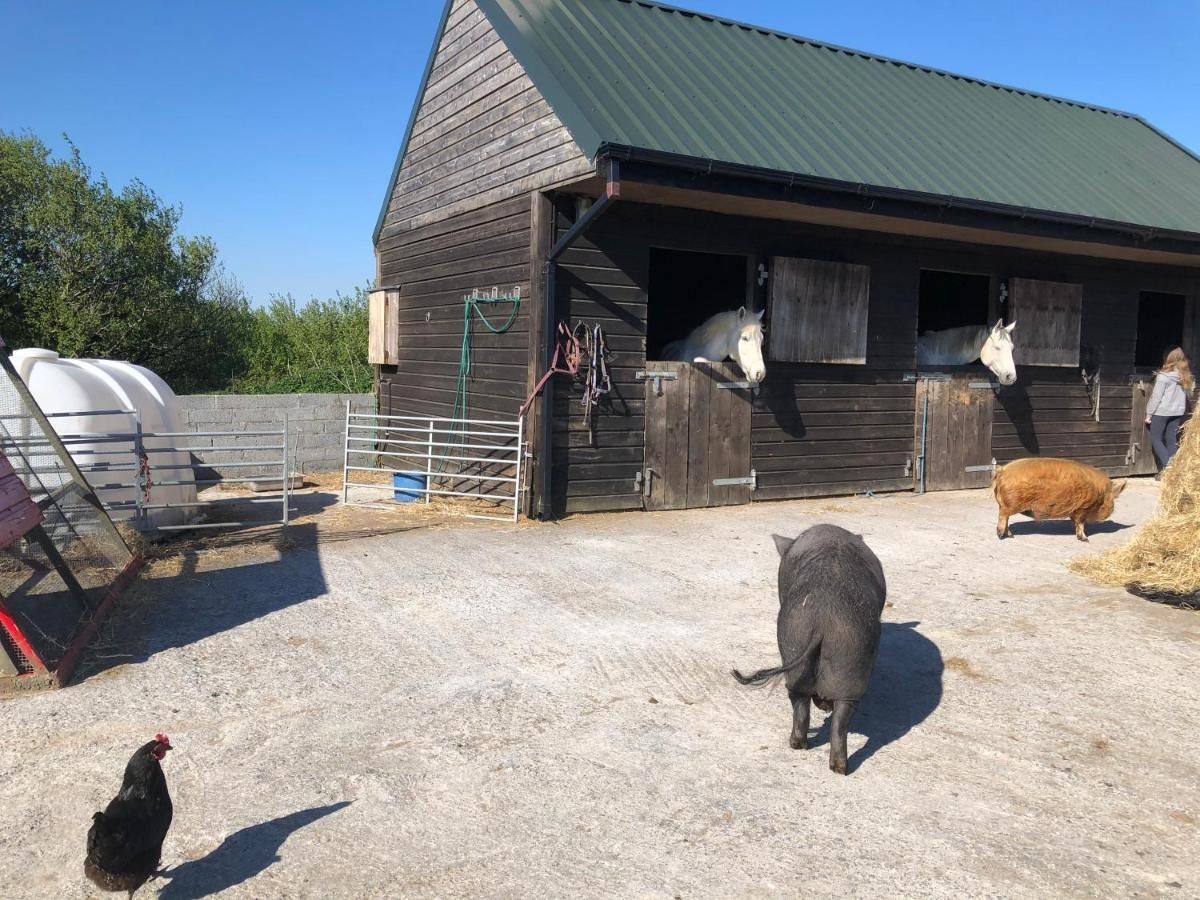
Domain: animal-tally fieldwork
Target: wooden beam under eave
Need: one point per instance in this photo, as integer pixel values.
(729, 204)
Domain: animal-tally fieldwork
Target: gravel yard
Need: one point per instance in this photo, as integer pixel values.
(479, 710)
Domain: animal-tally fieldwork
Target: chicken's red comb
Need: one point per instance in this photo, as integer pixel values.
(163, 739)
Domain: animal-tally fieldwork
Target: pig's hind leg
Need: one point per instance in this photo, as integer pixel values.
(800, 715)
(839, 726)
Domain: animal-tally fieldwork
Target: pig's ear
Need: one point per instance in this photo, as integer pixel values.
(1118, 486)
(782, 544)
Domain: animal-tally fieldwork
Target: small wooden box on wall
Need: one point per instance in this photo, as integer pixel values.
(383, 317)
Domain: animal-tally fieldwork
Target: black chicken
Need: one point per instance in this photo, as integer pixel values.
(125, 841)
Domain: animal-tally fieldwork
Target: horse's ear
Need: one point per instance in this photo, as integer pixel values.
(741, 313)
(782, 544)
(1011, 325)
(999, 326)
(761, 313)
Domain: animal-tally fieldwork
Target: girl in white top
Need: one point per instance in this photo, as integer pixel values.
(1168, 404)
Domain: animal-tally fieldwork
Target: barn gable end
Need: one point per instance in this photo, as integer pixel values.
(481, 132)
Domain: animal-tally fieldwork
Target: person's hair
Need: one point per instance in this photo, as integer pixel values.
(1175, 361)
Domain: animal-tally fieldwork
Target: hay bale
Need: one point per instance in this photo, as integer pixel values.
(1164, 557)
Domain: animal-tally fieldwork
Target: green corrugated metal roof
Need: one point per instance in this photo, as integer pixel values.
(645, 75)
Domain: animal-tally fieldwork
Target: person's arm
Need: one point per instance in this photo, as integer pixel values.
(1160, 384)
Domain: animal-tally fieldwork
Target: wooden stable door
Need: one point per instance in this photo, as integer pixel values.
(1140, 455)
(697, 436)
(954, 433)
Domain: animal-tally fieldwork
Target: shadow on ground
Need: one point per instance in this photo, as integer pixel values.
(241, 856)
(180, 609)
(1063, 526)
(905, 689)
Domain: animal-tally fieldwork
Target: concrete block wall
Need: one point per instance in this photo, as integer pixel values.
(316, 426)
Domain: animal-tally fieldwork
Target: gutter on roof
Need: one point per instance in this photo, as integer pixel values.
(700, 166)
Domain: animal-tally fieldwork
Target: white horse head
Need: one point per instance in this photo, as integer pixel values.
(997, 352)
(736, 334)
(747, 349)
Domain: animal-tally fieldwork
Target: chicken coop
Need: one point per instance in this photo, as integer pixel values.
(637, 167)
(62, 561)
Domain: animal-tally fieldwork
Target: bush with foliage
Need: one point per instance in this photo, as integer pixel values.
(92, 272)
(318, 347)
(89, 271)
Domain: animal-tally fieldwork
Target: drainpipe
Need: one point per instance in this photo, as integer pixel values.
(612, 191)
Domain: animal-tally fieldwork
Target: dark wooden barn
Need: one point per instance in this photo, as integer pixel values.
(640, 167)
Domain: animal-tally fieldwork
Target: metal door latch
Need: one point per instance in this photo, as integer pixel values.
(644, 483)
(657, 377)
(990, 467)
(751, 479)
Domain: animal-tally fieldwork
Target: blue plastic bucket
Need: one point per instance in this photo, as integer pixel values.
(406, 487)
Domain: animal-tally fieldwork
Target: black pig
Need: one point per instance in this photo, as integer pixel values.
(831, 595)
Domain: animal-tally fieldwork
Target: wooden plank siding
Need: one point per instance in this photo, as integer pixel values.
(839, 429)
(482, 133)
(435, 266)
(818, 311)
(597, 471)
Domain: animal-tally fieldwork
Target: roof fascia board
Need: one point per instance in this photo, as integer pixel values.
(794, 187)
(412, 119)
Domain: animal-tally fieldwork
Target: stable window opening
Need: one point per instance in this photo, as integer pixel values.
(1160, 327)
(686, 288)
(952, 300)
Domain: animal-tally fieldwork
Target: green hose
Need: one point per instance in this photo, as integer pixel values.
(461, 397)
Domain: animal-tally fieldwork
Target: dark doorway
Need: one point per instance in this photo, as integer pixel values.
(685, 289)
(950, 299)
(1159, 327)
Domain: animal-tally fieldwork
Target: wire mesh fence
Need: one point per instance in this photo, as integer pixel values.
(56, 576)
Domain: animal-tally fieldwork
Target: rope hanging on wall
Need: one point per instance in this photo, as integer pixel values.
(473, 304)
(566, 359)
(1091, 382)
(596, 382)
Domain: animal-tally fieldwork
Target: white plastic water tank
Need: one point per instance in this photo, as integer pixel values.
(91, 389)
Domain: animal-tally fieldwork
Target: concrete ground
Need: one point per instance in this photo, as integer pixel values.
(482, 710)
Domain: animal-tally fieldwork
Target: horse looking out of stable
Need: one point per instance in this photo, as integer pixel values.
(963, 345)
(736, 334)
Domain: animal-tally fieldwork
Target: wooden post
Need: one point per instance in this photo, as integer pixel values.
(541, 223)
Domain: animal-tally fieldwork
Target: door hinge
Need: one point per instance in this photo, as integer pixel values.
(735, 385)
(908, 467)
(751, 479)
(980, 385)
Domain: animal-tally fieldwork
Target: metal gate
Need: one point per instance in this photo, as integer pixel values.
(953, 433)
(434, 457)
(697, 446)
(128, 469)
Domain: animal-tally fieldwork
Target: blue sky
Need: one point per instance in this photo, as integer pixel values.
(274, 125)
